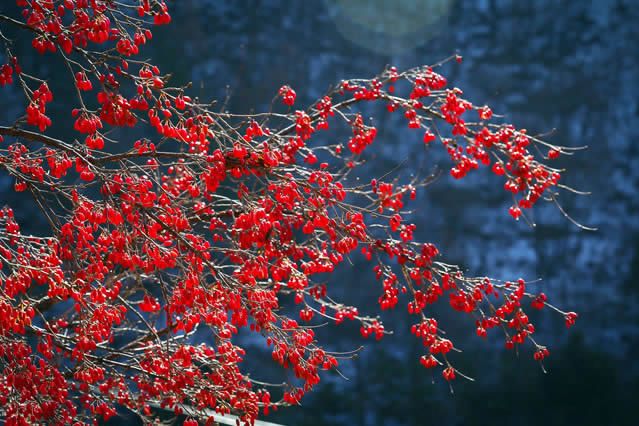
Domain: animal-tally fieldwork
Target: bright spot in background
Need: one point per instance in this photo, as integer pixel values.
(389, 26)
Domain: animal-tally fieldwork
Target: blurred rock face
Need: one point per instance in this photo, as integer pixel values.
(561, 69)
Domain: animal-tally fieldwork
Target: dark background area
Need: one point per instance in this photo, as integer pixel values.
(567, 68)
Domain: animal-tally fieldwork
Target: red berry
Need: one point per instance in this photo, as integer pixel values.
(449, 374)
(515, 212)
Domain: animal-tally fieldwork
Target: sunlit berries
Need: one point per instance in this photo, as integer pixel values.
(449, 374)
(571, 318)
(428, 137)
(288, 95)
(515, 212)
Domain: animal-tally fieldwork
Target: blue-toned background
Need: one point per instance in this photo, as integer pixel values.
(570, 68)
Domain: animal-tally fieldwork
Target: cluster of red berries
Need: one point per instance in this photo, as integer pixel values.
(86, 123)
(288, 95)
(38, 107)
(82, 82)
(6, 75)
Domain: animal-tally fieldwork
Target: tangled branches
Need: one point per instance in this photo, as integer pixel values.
(160, 250)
